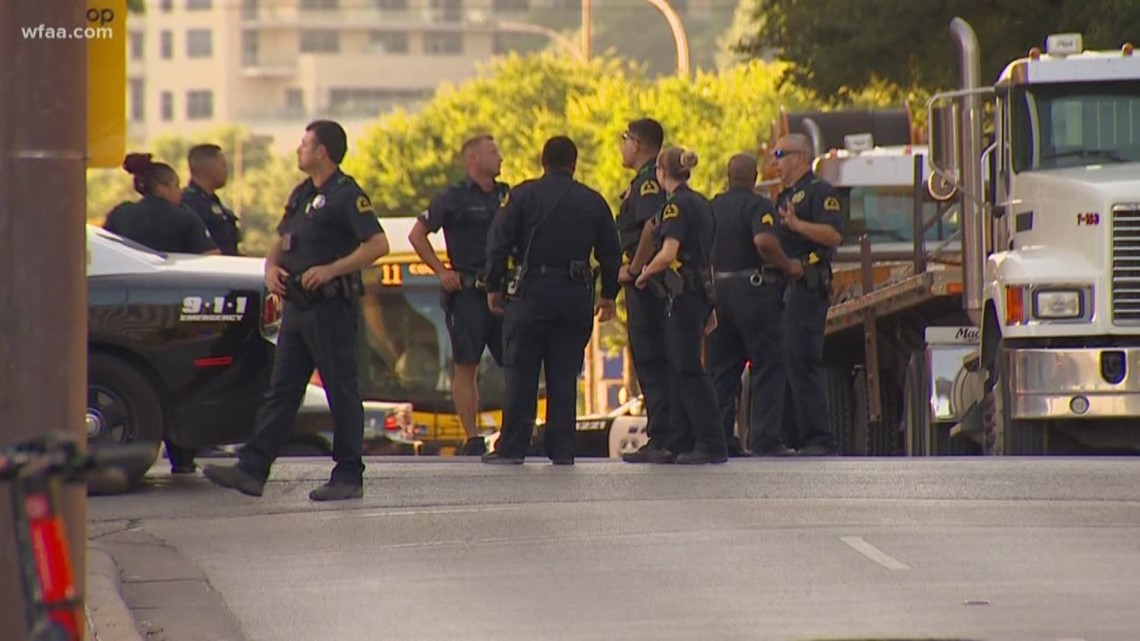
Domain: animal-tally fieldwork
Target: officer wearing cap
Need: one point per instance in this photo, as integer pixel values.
(643, 200)
(208, 174)
(749, 265)
(329, 233)
(550, 225)
(812, 221)
(680, 272)
(464, 211)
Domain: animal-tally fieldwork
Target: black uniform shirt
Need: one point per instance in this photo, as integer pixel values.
(643, 200)
(325, 224)
(160, 225)
(741, 214)
(815, 201)
(688, 217)
(219, 219)
(464, 211)
(580, 221)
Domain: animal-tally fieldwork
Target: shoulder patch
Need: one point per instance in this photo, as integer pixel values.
(671, 211)
(798, 197)
(363, 205)
(767, 219)
(649, 187)
(831, 203)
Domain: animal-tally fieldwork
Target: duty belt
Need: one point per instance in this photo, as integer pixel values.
(756, 277)
(471, 281)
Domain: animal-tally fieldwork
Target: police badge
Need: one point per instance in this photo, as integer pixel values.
(319, 201)
(216, 208)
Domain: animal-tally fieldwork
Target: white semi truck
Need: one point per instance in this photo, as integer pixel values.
(1021, 333)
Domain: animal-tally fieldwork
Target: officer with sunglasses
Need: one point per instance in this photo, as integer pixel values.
(642, 202)
(812, 221)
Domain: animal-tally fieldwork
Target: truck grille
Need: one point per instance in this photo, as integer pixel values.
(1126, 264)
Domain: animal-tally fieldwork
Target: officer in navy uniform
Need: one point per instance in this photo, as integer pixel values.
(681, 273)
(329, 233)
(812, 222)
(160, 222)
(642, 202)
(749, 265)
(464, 211)
(550, 225)
(208, 174)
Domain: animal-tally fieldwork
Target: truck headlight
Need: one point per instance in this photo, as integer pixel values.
(1059, 304)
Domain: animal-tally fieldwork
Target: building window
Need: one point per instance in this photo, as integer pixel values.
(346, 101)
(199, 105)
(249, 48)
(166, 5)
(511, 6)
(199, 43)
(320, 42)
(443, 44)
(198, 5)
(249, 9)
(138, 100)
(389, 42)
(137, 48)
(446, 10)
(167, 106)
(166, 45)
(392, 5)
(319, 4)
(295, 101)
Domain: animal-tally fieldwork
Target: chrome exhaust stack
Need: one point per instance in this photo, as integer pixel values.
(970, 130)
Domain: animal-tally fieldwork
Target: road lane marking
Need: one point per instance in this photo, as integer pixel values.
(875, 554)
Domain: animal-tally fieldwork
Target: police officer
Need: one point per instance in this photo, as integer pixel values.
(554, 222)
(643, 200)
(812, 222)
(159, 222)
(208, 174)
(681, 270)
(749, 265)
(464, 211)
(328, 234)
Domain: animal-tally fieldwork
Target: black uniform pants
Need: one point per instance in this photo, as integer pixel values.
(750, 327)
(694, 425)
(323, 336)
(548, 328)
(644, 315)
(804, 320)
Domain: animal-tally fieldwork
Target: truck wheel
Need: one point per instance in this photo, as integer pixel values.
(123, 407)
(883, 439)
(1004, 436)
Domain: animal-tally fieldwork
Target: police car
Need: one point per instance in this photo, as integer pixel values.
(179, 346)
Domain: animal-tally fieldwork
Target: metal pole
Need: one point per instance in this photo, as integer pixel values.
(586, 30)
(919, 222)
(43, 290)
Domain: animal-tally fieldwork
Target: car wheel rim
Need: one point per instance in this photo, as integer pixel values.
(108, 417)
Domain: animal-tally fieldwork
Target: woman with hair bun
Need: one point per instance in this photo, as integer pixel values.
(160, 223)
(158, 220)
(685, 230)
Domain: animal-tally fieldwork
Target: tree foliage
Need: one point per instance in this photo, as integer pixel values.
(406, 158)
(839, 46)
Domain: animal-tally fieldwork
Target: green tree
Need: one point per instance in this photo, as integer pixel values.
(839, 46)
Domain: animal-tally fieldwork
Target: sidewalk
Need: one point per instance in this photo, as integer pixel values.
(108, 617)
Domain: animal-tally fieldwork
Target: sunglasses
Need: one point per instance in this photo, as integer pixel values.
(784, 153)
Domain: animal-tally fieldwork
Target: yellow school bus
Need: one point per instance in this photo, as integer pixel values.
(405, 351)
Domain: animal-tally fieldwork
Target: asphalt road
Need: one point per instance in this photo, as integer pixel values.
(1029, 549)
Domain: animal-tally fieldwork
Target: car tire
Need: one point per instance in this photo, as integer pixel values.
(123, 407)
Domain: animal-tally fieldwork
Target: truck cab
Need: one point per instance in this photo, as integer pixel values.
(1051, 264)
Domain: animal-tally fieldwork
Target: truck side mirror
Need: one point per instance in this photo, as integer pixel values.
(945, 152)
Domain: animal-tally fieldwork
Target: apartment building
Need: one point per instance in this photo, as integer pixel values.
(273, 65)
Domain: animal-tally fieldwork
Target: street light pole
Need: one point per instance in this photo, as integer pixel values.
(586, 29)
(557, 38)
(43, 292)
(675, 25)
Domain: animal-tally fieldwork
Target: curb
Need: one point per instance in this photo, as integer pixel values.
(108, 617)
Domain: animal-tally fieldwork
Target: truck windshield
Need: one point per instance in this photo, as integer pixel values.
(1075, 124)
